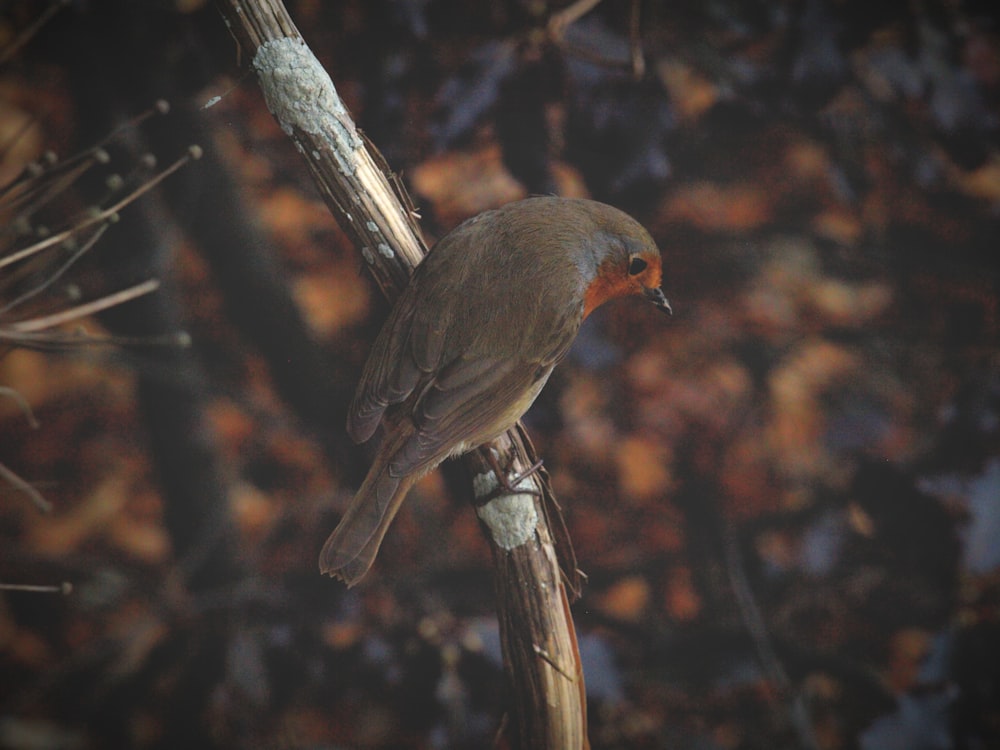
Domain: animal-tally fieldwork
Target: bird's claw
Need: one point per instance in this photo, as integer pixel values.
(505, 484)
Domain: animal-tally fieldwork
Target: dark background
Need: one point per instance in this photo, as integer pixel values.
(786, 497)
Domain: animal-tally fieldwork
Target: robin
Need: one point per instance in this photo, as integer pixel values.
(486, 316)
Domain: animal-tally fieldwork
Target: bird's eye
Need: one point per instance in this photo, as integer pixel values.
(636, 266)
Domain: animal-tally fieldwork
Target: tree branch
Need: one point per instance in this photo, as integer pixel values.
(539, 643)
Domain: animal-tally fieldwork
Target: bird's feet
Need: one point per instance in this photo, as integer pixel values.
(507, 485)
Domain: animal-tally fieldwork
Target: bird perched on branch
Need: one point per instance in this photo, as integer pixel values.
(473, 338)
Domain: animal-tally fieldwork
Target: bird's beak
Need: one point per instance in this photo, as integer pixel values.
(658, 298)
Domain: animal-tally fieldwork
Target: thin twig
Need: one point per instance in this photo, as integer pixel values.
(38, 189)
(47, 341)
(14, 395)
(25, 36)
(35, 170)
(12, 140)
(55, 275)
(570, 14)
(159, 107)
(88, 308)
(19, 484)
(753, 619)
(635, 40)
(194, 152)
(65, 588)
(552, 662)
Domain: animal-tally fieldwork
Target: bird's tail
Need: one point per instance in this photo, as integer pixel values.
(350, 550)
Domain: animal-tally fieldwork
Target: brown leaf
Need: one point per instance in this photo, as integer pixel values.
(643, 468)
(691, 94)
(719, 208)
(628, 599)
(332, 300)
(460, 184)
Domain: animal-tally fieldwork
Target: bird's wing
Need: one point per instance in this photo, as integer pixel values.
(392, 372)
(470, 402)
(476, 386)
(441, 358)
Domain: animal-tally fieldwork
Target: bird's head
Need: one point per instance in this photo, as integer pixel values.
(624, 261)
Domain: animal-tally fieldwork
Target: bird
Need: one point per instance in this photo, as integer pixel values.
(473, 338)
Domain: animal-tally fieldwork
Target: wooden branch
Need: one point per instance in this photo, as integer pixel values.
(354, 183)
(537, 635)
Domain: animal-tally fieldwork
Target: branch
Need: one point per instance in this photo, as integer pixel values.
(539, 643)
(82, 311)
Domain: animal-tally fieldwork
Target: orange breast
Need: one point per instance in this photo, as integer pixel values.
(607, 286)
(612, 281)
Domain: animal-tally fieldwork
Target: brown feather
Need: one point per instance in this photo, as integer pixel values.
(350, 549)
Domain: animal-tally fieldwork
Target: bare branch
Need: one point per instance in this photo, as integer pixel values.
(25, 36)
(19, 484)
(65, 588)
(102, 215)
(82, 311)
(22, 404)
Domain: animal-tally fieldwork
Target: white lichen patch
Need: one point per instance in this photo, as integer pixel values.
(300, 94)
(511, 518)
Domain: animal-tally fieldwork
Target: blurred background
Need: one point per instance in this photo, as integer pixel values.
(786, 497)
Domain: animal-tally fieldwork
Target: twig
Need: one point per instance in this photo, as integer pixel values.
(25, 36)
(82, 311)
(635, 40)
(54, 276)
(48, 341)
(19, 484)
(22, 403)
(65, 588)
(49, 168)
(570, 14)
(553, 663)
(37, 187)
(102, 215)
(753, 619)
